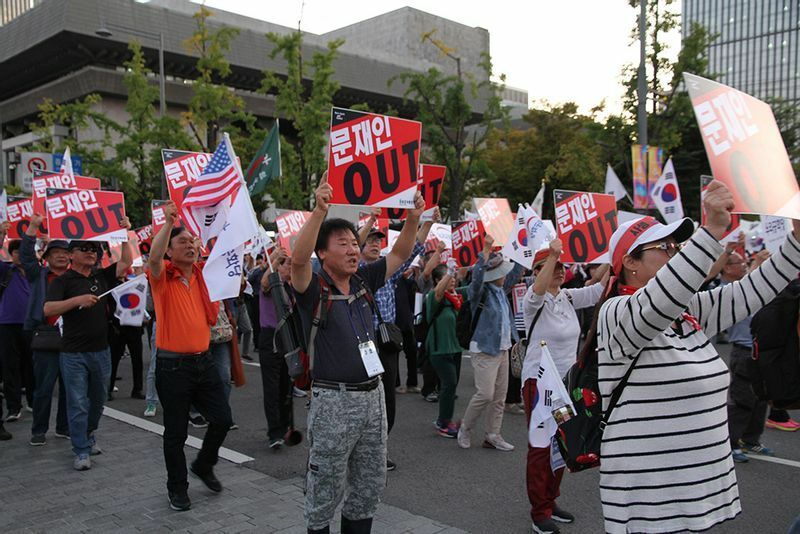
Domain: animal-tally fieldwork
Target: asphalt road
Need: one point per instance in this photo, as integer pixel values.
(482, 490)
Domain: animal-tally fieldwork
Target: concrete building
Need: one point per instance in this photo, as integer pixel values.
(50, 49)
(758, 45)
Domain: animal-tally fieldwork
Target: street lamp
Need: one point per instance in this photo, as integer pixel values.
(107, 29)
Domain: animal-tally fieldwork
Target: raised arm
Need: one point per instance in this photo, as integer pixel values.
(126, 258)
(628, 323)
(434, 261)
(304, 246)
(161, 240)
(478, 270)
(27, 250)
(726, 305)
(363, 233)
(718, 265)
(405, 241)
(545, 275)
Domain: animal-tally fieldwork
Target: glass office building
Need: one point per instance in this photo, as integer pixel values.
(757, 49)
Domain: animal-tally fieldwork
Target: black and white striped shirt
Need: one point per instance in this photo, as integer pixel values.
(666, 456)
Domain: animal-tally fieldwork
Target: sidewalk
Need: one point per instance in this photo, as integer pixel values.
(125, 492)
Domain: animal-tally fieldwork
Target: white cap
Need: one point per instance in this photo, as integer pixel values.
(631, 234)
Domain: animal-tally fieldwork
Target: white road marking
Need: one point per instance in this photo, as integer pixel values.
(155, 428)
(774, 460)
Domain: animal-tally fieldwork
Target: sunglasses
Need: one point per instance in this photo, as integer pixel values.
(88, 249)
(670, 248)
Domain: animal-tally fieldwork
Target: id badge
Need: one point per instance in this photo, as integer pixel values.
(369, 357)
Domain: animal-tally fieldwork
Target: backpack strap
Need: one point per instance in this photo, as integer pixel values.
(616, 394)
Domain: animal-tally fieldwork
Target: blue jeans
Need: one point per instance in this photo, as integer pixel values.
(46, 373)
(221, 355)
(151, 395)
(86, 377)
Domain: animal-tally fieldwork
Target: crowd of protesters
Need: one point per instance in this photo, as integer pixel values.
(683, 418)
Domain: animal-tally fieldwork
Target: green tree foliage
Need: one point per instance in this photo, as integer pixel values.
(215, 107)
(304, 96)
(452, 134)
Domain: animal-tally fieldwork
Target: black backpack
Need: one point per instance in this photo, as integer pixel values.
(466, 321)
(579, 438)
(774, 369)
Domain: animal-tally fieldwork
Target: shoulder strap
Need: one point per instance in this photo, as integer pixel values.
(533, 323)
(481, 304)
(617, 393)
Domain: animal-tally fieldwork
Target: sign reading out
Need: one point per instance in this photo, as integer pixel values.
(86, 215)
(431, 185)
(373, 160)
(585, 222)
(468, 240)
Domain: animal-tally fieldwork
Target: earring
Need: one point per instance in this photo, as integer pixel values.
(633, 273)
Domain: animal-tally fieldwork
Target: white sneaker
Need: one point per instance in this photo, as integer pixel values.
(82, 462)
(463, 437)
(496, 441)
(150, 410)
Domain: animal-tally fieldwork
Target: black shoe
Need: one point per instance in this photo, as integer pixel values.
(390, 465)
(207, 477)
(5, 435)
(138, 395)
(179, 501)
(247, 357)
(198, 421)
(562, 516)
(276, 443)
(110, 397)
(38, 440)
(358, 526)
(545, 526)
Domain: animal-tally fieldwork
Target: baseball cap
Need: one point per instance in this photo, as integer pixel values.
(54, 244)
(631, 234)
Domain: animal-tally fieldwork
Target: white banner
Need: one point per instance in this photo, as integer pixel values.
(774, 230)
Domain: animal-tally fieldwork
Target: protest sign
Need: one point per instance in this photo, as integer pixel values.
(182, 168)
(773, 231)
(391, 239)
(44, 180)
(585, 222)
(3, 206)
(440, 233)
(373, 160)
(732, 233)
(19, 213)
(745, 149)
(431, 183)
(144, 236)
(115, 251)
(468, 241)
(655, 159)
(86, 215)
(495, 213)
(289, 226)
(518, 294)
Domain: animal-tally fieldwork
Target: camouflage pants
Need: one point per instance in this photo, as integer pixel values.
(347, 436)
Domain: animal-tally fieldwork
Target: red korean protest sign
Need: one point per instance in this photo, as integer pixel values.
(495, 213)
(431, 183)
(19, 213)
(114, 253)
(44, 180)
(289, 226)
(86, 215)
(745, 149)
(380, 225)
(518, 293)
(468, 240)
(732, 233)
(144, 236)
(373, 160)
(585, 222)
(181, 169)
(440, 233)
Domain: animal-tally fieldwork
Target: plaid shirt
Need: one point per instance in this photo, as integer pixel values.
(384, 297)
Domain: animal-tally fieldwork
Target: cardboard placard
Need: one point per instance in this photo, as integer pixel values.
(440, 233)
(518, 294)
(468, 239)
(585, 222)
(19, 213)
(289, 226)
(495, 213)
(431, 183)
(44, 180)
(732, 233)
(181, 169)
(86, 215)
(745, 149)
(373, 160)
(144, 236)
(773, 232)
(115, 251)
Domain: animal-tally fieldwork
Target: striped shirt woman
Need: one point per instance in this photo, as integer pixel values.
(666, 458)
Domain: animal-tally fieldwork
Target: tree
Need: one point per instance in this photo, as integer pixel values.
(307, 105)
(451, 132)
(214, 107)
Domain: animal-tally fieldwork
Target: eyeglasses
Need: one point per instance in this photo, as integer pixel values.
(88, 249)
(667, 246)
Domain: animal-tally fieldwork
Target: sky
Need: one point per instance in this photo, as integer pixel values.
(557, 50)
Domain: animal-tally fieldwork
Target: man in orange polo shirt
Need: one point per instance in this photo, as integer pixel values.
(185, 371)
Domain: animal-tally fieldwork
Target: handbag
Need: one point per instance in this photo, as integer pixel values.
(222, 331)
(46, 338)
(390, 338)
(520, 348)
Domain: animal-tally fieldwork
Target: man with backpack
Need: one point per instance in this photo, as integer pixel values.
(347, 427)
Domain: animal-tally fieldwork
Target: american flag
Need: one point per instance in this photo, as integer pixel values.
(220, 179)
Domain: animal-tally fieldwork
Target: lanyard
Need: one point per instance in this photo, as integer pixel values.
(353, 326)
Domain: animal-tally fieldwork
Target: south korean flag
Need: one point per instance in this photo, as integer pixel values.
(667, 195)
